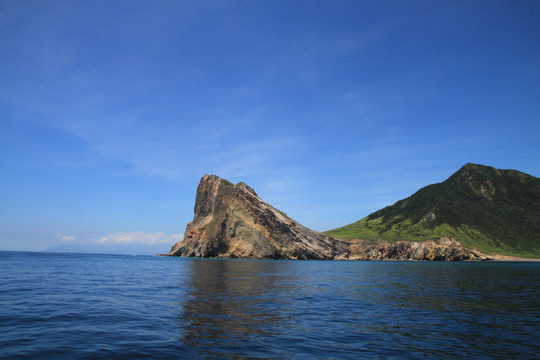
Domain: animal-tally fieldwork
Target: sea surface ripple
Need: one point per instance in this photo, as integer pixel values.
(84, 306)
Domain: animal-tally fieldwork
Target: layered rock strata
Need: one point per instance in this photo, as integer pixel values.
(232, 221)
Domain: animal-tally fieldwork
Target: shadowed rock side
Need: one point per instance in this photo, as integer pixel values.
(231, 221)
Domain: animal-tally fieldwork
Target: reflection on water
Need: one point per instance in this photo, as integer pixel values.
(317, 309)
(67, 306)
(230, 304)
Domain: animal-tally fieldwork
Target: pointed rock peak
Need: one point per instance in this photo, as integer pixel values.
(244, 187)
(233, 221)
(207, 193)
(214, 183)
(213, 179)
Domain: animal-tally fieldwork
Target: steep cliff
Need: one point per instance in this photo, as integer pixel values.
(232, 221)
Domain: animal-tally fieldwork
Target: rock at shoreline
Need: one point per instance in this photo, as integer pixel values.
(232, 221)
(443, 249)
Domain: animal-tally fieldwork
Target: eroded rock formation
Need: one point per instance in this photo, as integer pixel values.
(232, 221)
(442, 249)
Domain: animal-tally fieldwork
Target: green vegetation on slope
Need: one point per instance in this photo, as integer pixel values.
(492, 210)
(227, 183)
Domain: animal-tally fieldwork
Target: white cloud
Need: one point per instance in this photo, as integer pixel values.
(139, 237)
(65, 237)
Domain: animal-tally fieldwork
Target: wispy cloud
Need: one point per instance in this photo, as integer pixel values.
(139, 237)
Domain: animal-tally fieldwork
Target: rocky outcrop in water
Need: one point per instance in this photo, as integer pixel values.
(232, 221)
(442, 249)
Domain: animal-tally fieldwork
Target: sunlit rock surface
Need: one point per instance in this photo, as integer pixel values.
(232, 221)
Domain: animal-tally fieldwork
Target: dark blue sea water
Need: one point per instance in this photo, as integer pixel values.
(113, 306)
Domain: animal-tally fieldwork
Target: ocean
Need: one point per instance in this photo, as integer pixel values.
(85, 306)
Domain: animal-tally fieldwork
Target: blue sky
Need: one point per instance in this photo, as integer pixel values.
(112, 111)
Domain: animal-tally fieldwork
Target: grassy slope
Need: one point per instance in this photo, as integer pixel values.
(484, 208)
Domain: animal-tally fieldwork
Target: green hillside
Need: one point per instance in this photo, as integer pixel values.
(491, 210)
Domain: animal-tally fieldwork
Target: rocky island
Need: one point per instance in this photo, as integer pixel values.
(232, 221)
(487, 209)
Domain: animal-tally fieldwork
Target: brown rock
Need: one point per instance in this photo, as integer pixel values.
(232, 221)
(443, 249)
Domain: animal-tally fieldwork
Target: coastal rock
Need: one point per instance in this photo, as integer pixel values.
(443, 249)
(232, 221)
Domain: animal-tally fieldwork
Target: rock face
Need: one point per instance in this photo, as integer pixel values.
(232, 221)
(443, 249)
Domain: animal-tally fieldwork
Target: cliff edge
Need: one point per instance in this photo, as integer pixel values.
(232, 221)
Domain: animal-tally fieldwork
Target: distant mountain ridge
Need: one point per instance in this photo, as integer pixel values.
(96, 248)
(484, 208)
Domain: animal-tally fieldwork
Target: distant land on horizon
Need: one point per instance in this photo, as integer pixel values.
(484, 208)
(120, 249)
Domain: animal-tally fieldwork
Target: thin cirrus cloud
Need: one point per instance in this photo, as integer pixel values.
(139, 237)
